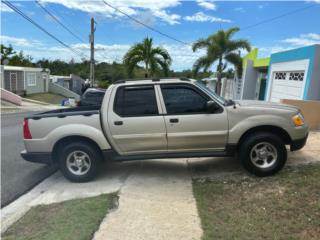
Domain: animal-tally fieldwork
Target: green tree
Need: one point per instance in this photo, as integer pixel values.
(6, 52)
(222, 49)
(155, 59)
(21, 60)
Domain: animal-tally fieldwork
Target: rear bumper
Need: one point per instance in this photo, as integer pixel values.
(38, 157)
(298, 144)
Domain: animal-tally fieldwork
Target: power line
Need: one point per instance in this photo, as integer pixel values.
(14, 8)
(58, 21)
(63, 25)
(277, 17)
(145, 25)
(72, 26)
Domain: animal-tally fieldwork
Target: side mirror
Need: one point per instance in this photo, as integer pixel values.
(212, 106)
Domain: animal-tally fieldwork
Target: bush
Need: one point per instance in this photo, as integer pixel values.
(103, 84)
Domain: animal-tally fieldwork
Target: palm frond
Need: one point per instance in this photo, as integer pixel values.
(145, 52)
(163, 53)
(164, 65)
(236, 60)
(201, 63)
(239, 44)
(201, 43)
(231, 31)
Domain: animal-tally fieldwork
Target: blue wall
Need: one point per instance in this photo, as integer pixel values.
(294, 55)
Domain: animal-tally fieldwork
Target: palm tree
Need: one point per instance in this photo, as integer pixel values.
(154, 59)
(220, 47)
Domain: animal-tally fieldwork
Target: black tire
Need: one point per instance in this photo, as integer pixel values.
(91, 152)
(252, 142)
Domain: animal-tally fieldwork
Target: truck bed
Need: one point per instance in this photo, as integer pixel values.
(85, 110)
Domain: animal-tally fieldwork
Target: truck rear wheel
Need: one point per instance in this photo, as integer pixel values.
(263, 154)
(79, 161)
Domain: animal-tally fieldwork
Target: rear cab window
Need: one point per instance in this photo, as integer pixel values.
(136, 101)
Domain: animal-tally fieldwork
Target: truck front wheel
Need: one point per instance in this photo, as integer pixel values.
(263, 154)
(78, 161)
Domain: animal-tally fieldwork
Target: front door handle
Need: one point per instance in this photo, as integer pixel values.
(174, 120)
(118, 123)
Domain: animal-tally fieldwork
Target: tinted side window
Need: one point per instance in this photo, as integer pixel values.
(183, 100)
(93, 95)
(136, 101)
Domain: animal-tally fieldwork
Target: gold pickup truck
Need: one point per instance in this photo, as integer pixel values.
(164, 118)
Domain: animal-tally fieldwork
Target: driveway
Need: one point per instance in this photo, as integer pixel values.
(17, 175)
(155, 196)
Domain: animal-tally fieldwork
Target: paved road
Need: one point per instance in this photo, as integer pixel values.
(17, 175)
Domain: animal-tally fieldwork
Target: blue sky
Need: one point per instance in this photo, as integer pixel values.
(184, 20)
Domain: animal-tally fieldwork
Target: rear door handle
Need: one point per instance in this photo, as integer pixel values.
(118, 123)
(174, 120)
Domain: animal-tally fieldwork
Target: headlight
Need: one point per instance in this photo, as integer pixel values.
(298, 119)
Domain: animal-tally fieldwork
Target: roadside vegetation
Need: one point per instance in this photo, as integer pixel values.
(285, 206)
(46, 97)
(220, 48)
(144, 59)
(154, 59)
(70, 220)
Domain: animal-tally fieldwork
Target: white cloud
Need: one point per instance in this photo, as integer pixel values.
(290, 43)
(303, 40)
(267, 51)
(130, 7)
(315, 1)
(207, 4)
(239, 9)
(5, 8)
(19, 42)
(312, 36)
(182, 55)
(170, 18)
(202, 17)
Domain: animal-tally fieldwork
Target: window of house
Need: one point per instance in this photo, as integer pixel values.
(183, 100)
(296, 76)
(280, 75)
(136, 101)
(31, 79)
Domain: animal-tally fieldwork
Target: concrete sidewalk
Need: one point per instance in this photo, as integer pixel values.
(57, 189)
(156, 202)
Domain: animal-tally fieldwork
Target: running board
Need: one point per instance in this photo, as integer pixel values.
(112, 155)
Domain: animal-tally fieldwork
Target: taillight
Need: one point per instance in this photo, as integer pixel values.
(26, 130)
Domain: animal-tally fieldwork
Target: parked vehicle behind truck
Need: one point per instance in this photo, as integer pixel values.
(164, 118)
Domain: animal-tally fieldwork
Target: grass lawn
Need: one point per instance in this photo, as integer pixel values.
(46, 97)
(284, 206)
(70, 220)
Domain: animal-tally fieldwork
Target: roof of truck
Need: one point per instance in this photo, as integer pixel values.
(153, 80)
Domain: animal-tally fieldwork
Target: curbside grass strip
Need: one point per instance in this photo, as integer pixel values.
(284, 206)
(71, 220)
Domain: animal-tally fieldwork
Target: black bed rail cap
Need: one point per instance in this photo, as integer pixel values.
(151, 79)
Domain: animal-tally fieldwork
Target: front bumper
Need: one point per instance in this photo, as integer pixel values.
(38, 157)
(298, 144)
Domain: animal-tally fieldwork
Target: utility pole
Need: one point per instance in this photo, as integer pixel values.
(91, 40)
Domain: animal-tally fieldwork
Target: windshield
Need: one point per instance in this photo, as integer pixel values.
(211, 93)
